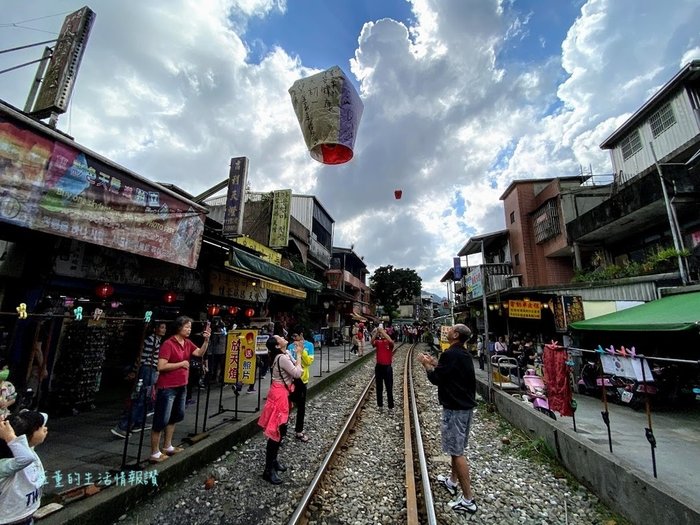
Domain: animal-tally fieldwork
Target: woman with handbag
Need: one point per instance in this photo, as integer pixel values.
(275, 413)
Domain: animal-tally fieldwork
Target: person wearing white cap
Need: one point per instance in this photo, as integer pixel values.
(21, 471)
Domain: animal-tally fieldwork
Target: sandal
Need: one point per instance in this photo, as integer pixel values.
(302, 437)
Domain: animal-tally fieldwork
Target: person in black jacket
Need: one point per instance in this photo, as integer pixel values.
(454, 376)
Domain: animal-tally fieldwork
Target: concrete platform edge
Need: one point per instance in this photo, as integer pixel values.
(112, 502)
(627, 490)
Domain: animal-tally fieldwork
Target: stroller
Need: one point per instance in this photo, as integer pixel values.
(536, 393)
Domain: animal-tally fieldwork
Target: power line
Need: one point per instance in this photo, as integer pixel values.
(14, 24)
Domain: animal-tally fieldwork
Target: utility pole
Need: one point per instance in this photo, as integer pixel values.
(484, 303)
(675, 231)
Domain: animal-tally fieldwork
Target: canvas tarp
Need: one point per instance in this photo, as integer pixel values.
(669, 314)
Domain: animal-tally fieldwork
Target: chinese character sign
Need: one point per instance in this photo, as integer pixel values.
(246, 355)
(233, 351)
(525, 309)
(279, 223)
(457, 263)
(475, 287)
(444, 342)
(233, 218)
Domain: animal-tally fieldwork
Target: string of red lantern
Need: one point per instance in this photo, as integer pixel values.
(104, 290)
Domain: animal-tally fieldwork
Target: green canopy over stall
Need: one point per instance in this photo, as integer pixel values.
(674, 313)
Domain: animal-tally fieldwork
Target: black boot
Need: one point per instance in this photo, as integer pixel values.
(276, 465)
(270, 474)
(272, 477)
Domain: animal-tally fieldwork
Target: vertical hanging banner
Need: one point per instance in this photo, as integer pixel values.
(279, 223)
(457, 271)
(235, 199)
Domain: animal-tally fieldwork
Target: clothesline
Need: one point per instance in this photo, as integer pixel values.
(638, 356)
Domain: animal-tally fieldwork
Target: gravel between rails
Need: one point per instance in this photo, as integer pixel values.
(509, 489)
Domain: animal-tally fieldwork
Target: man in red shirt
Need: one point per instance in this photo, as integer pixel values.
(383, 373)
(171, 387)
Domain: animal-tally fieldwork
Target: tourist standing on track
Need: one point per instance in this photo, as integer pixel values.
(301, 350)
(454, 376)
(275, 413)
(383, 373)
(171, 387)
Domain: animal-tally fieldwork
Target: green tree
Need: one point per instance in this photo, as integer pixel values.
(393, 286)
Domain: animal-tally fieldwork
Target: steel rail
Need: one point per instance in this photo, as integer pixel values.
(420, 450)
(299, 515)
(409, 399)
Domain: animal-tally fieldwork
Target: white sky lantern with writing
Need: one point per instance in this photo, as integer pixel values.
(329, 111)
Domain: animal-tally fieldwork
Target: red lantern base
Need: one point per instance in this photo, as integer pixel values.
(332, 153)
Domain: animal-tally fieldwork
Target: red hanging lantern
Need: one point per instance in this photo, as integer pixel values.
(249, 312)
(104, 290)
(233, 310)
(170, 297)
(398, 193)
(213, 310)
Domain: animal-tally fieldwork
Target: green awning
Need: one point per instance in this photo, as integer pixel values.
(670, 314)
(248, 262)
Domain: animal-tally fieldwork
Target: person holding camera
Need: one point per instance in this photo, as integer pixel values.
(275, 414)
(454, 376)
(171, 386)
(383, 372)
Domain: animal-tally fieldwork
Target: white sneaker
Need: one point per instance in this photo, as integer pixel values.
(463, 505)
(446, 482)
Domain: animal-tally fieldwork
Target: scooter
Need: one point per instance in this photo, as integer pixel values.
(536, 393)
(591, 383)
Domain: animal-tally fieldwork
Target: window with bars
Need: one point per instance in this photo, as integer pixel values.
(662, 119)
(546, 221)
(631, 144)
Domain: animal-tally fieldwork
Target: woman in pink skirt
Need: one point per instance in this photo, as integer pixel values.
(275, 413)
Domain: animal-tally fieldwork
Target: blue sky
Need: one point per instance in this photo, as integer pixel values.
(322, 33)
(461, 98)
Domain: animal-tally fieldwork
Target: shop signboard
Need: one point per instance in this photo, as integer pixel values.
(279, 223)
(240, 357)
(53, 187)
(226, 284)
(265, 253)
(457, 268)
(444, 341)
(474, 284)
(235, 198)
(525, 309)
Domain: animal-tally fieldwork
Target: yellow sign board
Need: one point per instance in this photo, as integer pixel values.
(444, 343)
(525, 309)
(267, 254)
(240, 357)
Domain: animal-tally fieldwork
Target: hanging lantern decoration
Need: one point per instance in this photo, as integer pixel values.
(104, 290)
(397, 194)
(233, 310)
(169, 297)
(213, 310)
(249, 312)
(329, 111)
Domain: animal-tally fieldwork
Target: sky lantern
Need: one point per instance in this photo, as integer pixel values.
(398, 193)
(329, 111)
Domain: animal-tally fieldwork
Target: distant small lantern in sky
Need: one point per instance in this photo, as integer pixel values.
(398, 193)
(329, 111)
